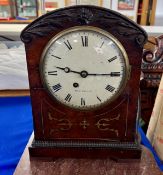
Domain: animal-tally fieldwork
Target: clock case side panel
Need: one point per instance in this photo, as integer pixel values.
(38, 34)
(33, 76)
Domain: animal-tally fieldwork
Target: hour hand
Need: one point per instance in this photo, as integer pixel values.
(65, 69)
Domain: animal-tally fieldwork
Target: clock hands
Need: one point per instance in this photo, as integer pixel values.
(84, 73)
(112, 74)
(67, 70)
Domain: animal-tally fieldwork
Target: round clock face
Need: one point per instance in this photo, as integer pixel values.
(84, 67)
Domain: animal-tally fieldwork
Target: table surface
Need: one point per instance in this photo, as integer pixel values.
(36, 166)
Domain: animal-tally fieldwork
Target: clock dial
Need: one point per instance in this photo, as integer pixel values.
(84, 67)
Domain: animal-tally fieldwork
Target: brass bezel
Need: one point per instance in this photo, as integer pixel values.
(105, 33)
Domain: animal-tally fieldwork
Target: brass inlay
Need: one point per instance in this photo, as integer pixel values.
(64, 124)
(84, 124)
(104, 125)
(114, 108)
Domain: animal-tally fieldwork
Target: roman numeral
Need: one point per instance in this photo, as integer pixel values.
(84, 41)
(112, 59)
(98, 98)
(57, 87)
(115, 74)
(102, 44)
(55, 56)
(67, 43)
(52, 73)
(82, 102)
(110, 88)
(68, 97)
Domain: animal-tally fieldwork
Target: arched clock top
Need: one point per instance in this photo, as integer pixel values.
(58, 20)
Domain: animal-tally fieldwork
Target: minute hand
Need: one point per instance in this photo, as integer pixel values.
(112, 74)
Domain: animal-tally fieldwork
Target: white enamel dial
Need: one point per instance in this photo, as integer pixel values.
(84, 68)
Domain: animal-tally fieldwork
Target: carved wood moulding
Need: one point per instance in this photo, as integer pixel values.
(85, 15)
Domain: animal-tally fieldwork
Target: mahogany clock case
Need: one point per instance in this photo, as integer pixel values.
(60, 131)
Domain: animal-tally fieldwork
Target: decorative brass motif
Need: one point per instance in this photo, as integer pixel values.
(64, 124)
(103, 124)
(84, 124)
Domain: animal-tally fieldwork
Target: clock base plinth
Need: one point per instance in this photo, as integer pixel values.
(115, 151)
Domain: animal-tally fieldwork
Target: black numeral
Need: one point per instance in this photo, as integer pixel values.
(67, 43)
(84, 41)
(112, 59)
(82, 102)
(52, 73)
(98, 98)
(115, 74)
(56, 56)
(102, 44)
(57, 87)
(68, 97)
(110, 88)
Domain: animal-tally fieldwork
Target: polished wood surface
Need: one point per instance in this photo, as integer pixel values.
(36, 166)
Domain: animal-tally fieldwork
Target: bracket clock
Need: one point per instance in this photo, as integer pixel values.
(84, 65)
